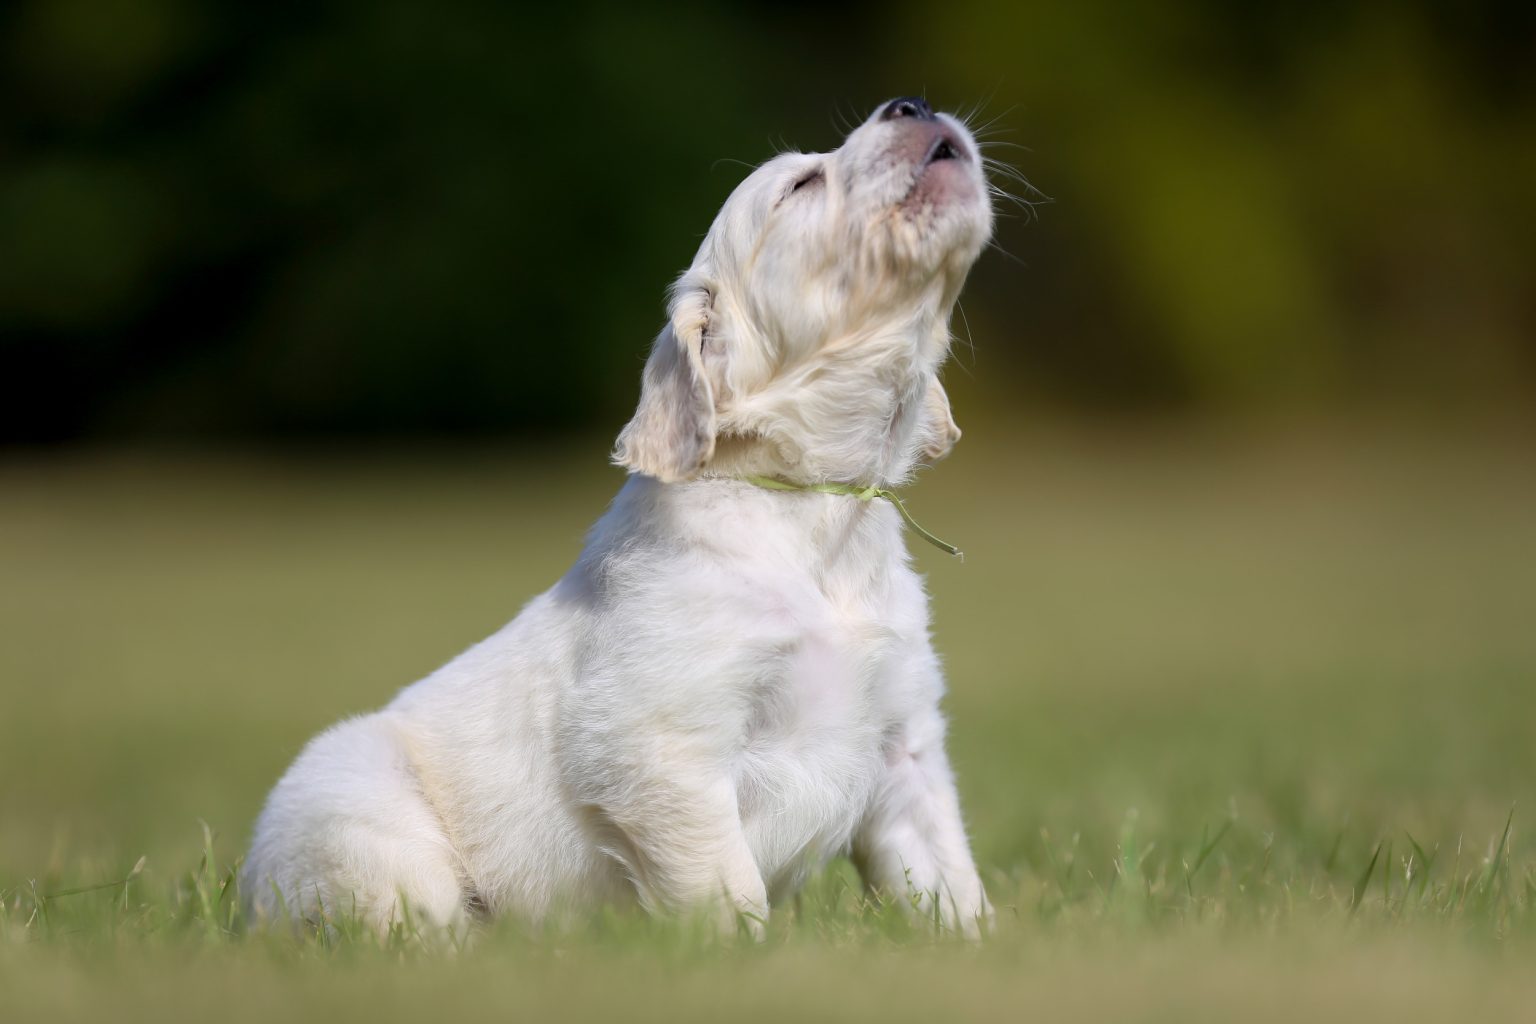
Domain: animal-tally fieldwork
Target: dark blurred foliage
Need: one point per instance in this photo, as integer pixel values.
(362, 217)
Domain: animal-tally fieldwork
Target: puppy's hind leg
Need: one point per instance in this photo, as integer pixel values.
(347, 834)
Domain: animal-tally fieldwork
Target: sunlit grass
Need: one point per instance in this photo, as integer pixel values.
(1242, 722)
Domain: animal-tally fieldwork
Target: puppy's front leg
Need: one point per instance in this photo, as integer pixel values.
(911, 845)
(686, 850)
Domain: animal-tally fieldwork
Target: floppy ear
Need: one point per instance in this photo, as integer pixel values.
(939, 432)
(672, 433)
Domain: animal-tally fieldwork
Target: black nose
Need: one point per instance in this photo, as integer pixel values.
(907, 106)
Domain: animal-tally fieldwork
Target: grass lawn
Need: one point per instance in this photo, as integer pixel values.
(1244, 718)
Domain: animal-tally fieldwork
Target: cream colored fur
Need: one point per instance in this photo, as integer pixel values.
(732, 684)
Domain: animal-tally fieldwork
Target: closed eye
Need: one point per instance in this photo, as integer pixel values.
(813, 178)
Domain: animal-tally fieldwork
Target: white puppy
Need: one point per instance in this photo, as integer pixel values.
(734, 683)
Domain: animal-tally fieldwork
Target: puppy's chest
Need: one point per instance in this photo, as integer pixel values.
(815, 740)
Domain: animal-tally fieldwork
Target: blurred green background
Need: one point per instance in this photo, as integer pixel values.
(316, 321)
(396, 218)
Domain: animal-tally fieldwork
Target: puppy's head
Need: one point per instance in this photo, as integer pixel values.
(813, 318)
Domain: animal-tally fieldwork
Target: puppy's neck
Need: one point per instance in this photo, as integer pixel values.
(856, 411)
(843, 543)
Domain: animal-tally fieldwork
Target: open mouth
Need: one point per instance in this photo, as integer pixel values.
(928, 186)
(943, 149)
